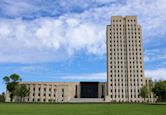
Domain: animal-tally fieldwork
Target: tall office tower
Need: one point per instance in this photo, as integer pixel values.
(125, 65)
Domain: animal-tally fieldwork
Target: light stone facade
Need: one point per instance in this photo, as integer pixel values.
(125, 65)
(55, 92)
(50, 91)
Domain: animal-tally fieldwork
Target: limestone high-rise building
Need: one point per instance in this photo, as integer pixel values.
(125, 65)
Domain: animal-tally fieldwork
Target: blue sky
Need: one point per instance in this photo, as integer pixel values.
(53, 40)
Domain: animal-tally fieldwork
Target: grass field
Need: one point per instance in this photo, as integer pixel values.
(81, 109)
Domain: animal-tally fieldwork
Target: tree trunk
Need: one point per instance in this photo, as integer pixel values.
(144, 99)
(21, 98)
(11, 97)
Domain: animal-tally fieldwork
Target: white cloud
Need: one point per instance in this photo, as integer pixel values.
(47, 39)
(155, 54)
(17, 7)
(58, 38)
(156, 74)
(87, 77)
(36, 8)
(31, 68)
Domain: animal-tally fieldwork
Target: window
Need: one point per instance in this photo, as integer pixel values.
(62, 92)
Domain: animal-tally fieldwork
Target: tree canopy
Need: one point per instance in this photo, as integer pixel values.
(14, 88)
(22, 91)
(144, 92)
(11, 84)
(160, 90)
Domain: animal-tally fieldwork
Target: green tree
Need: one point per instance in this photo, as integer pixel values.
(160, 90)
(144, 92)
(11, 84)
(150, 87)
(22, 91)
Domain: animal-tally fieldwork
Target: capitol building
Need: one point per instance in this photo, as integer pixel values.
(125, 71)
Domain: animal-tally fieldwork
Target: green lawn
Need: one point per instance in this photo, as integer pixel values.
(81, 109)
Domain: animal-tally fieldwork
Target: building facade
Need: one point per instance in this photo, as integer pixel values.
(125, 65)
(62, 91)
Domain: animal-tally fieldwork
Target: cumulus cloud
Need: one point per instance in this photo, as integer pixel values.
(47, 39)
(93, 76)
(158, 54)
(58, 38)
(38, 8)
(15, 8)
(156, 74)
